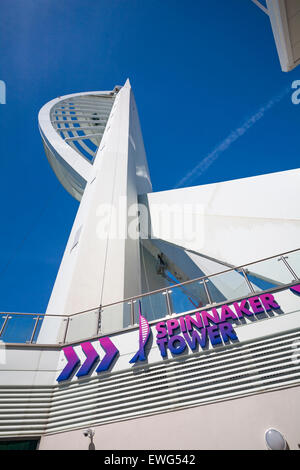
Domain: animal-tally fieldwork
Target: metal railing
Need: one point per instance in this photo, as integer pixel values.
(268, 274)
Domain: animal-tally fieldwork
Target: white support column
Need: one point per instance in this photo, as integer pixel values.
(101, 263)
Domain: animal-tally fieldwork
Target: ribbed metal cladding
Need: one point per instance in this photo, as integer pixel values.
(81, 121)
(203, 378)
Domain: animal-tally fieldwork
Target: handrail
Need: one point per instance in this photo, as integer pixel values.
(151, 322)
(165, 290)
(162, 289)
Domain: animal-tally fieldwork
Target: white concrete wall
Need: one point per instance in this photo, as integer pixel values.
(238, 424)
(29, 366)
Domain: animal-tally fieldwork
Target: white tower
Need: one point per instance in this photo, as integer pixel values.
(94, 144)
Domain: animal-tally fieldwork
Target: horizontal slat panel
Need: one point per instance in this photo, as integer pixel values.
(205, 377)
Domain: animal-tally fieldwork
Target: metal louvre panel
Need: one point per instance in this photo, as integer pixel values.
(206, 377)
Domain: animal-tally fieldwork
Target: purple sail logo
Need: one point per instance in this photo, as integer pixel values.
(144, 335)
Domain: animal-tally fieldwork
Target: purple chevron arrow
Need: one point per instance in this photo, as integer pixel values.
(73, 362)
(91, 358)
(143, 338)
(295, 289)
(111, 352)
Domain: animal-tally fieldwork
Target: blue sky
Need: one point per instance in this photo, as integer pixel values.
(198, 70)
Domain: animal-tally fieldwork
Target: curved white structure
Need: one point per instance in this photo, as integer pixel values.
(79, 120)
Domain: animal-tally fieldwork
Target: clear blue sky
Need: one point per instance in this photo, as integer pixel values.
(198, 70)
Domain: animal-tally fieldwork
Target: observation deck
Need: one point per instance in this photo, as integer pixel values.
(79, 120)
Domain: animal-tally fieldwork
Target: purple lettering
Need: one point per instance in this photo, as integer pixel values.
(193, 338)
(195, 321)
(242, 308)
(212, 316)
(226, 313)
(227, 332)
(180, 347)
(160, 328)
(171, 326)
(256, 305)
(182, 324)
(214, 335)
(268, 301)
(161, 344)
